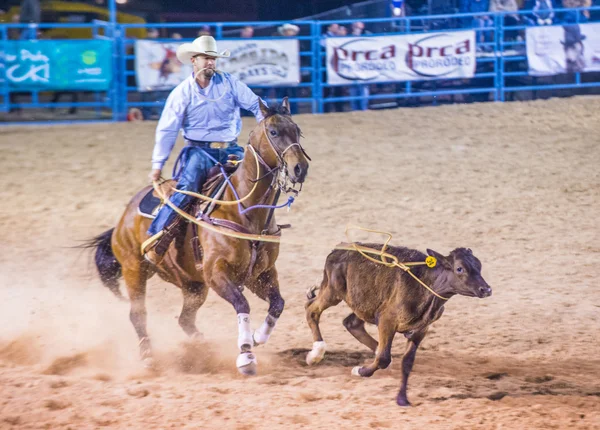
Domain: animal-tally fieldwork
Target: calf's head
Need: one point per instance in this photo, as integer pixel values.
(461, 273)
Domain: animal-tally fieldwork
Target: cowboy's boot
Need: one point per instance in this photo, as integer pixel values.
(156, 252)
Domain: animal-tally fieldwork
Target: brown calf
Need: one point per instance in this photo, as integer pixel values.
(391, 299)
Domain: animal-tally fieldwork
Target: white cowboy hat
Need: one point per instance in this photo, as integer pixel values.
(206, 45)
(288, 26)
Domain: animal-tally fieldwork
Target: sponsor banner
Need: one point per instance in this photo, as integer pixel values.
(401, 58)
(552, 50)
(255, 62)
(57, 65)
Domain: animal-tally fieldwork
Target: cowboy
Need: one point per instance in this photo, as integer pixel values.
(206, 106)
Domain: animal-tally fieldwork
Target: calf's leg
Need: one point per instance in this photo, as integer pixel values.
(383, 353)
(326, 298)
(407, 363)
(356, 327)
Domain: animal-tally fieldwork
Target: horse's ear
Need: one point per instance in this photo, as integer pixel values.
(263, 107)
(285, 103)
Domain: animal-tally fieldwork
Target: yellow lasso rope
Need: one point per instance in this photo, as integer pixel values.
(363, 250)
(227, 202)
(202, 224)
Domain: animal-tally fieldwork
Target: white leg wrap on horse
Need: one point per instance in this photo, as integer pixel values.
(317, 353)
(244, 332)
(261, 336)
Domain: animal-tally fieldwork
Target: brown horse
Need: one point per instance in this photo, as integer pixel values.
(228, 263)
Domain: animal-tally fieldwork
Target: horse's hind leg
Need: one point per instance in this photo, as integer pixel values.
(194, 296)
(267, 288)
(326, 298)
(135, 279)
(356, 327)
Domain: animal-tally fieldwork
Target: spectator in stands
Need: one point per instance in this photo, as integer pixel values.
(247, 32)
(150, 112)
(483, 24)
(343, 31)
(288, 30)
(358, 29)
(152, 33)
(542, 12)
(30, 13)
(176, 36)
(14, 33)
(510, 19)
(572, 16)
(204, 31)
(332, 30)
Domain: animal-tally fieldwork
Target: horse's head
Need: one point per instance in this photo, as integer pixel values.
(277, 140)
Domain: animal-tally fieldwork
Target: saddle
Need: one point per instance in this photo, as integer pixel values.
(213, 187)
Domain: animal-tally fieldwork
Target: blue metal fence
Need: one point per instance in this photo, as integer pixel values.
(501, 69)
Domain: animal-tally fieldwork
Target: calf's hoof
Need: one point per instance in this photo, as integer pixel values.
(246, 364)
(317, 353)
(403, 401)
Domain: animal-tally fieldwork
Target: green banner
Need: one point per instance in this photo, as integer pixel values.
(83, 65)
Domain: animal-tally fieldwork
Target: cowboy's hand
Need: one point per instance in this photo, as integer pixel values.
(231, 163)
(154, 175)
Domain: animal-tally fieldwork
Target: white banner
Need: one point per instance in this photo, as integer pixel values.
(255, 62)
(263, 62)
(410, 57)
(572, 48)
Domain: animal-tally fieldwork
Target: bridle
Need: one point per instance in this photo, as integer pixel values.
(281, 181)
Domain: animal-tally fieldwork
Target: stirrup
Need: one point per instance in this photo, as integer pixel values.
(151, 241)
(152, 257)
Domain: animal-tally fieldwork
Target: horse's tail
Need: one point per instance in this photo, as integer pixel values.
(109, 268)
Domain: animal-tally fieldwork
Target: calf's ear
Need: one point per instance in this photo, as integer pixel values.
(441, 260)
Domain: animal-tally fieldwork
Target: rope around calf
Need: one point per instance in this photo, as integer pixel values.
(363, 250)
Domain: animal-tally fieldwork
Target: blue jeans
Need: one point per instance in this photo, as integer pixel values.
(196, 164)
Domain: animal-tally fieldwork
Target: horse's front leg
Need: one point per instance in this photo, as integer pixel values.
(267, 288)
(221, 278)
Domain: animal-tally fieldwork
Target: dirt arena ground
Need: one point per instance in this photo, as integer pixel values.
(519, 183)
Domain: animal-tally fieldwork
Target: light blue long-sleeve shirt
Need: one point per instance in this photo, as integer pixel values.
(190, 107)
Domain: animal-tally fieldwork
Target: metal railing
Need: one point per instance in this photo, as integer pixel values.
(501, 67)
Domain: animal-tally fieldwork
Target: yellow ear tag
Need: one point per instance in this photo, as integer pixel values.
(430, 261)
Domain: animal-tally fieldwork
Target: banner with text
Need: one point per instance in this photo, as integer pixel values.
(400, 58)
(552, 50)
(84, 65)
(255, 62)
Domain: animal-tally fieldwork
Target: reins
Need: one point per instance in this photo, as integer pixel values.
(280, 180)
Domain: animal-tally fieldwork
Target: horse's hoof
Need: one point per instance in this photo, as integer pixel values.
(259, 338)
(246, 364)
(197, 337)
(149, 363)
(356, 371)
(317, 353)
